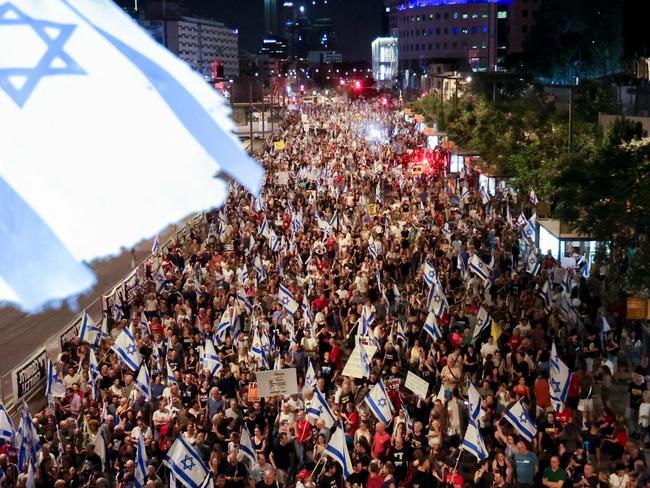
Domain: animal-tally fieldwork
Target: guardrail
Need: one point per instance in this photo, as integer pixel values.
(27, 380)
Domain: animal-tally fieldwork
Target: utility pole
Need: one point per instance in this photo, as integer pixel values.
(570, 118)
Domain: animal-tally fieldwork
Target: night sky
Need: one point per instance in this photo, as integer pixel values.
(358, 22)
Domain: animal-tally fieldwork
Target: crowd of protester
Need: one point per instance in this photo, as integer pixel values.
(329, 168)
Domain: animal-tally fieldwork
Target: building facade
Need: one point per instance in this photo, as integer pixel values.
(201, 43)
(385, 60)
(467, 34)
(324, 57)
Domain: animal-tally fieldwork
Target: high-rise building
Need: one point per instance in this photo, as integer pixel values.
(385, 60)
(271, 17)
(202, 43)
(466, 34)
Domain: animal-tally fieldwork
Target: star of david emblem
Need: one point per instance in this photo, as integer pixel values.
(381, 402)
(479, 322)
(20, 81)
(555, 385)
(523, 417)
(187, 462)
(531, 260)
(130, 349)
(431, 274)
(285, 301)
(437, 299)
(320, 409)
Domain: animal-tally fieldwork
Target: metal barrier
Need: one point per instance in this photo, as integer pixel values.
(27, 380)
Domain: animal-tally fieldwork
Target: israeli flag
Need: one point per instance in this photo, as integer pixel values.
(186, 464)
(379, 403)
(259, 268)
(246, 448)
(364, 360)
(533, 197)
(287, 301)
(144, 324)
(437, 301)
(372, 248)
(258, 204)
(71, 60)
(143, 381)
(156, 245)
(532, 263)
(89, 332)
(94, 372)
(337, 449)
(27, 440)
(430, 275)
(509, 217)
(528, 232)
(140, 463)
(401, 336)
(310, 375)
(127, 350)
(474, 401)
(560, 377)
(520, 420)
(7, 430)
(256, 348)
(473, 442)
(222, 327)
(243, 275)
(431, 327)
(210, 360)
(483, 319)
(171, 378)
(335, 220)
(367, 320)
(54, 386)
(320, 409)
(477, 265)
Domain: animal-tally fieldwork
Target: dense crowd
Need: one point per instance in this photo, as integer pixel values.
(362, 245)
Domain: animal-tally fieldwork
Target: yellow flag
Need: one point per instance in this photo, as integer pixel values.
(279, 145)
(496, 331)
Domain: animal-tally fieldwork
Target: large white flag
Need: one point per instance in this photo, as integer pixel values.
(337, 449)
(473, 442)
(127, 350)
(320, 409)
(186, 464)
(86, 95)
(560, 379)
(379, 403)
(483, 319)
(474, 401)
(140, 463)
(520, 420)
(287, 300)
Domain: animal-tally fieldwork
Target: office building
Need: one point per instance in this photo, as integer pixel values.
(324, 57)
(202, 43)
(385, 60)
(467, 34)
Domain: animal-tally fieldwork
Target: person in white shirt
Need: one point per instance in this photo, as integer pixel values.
(143, 428)
(488, 348)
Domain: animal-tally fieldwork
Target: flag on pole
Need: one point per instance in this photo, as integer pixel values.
(93, 372)
(560, 378)
(143, 381)
(379, 403)
(171, 378)
(310, 375)
(372, 248)
(140, 463)
(222, 327)
(27, 440)
(533, 197)
(287, 301)
(7, 430)
(474, 401)
(477, 265)
(54, 386)
(156, 245)
(473, 442)
(436, 300)
(52, 234)
(127, 350)
(431, 327)
(186, 464)
(246, 448)
(430, 275)
(518, 416)
(532, 263)
(545, 294)
(482, 321)
(89, 332)
(210, 358)
(337, 449)
(320, 409)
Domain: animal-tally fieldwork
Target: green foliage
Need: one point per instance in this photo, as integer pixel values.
(604, 193)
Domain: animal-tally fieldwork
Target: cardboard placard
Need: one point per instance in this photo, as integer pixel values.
(353, 367)
(417, 385)
(279, 382)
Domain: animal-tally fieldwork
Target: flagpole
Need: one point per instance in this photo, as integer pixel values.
(313, 470)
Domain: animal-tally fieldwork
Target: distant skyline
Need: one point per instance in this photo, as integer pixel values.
(357, 22)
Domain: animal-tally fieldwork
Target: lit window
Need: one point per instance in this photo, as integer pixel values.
(484, 28)
(474, 30)
(484, 15)
(464, 15)
(474, 15)
(455, 30)
(456, 15)
(502, 15)
(484, 45)
(465, 31)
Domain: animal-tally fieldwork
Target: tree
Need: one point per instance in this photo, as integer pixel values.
(605, 195)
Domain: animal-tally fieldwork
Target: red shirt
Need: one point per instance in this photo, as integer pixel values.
(335, 356)
(379, 443)
(303, 431)
(375, 481)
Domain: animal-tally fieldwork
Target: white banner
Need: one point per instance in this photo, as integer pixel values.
(277, 382)
(417, 385)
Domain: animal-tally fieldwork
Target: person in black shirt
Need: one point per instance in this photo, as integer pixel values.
(398, 456)
(268, 480)
(327, 370)
(280, 458)
(359, 477)
(422, 478)
(189, 391)
(235, 472)
(329, 479)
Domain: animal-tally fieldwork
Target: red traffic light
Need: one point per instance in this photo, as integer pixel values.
(357, 85)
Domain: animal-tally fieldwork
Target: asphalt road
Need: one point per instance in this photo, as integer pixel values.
(21, 334)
